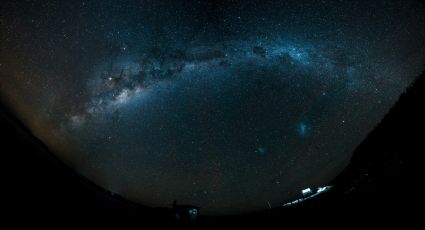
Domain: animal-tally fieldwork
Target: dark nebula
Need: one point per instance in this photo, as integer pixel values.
(233, 106)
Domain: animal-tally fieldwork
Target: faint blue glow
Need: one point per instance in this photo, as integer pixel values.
(261, 150)
(303, 129)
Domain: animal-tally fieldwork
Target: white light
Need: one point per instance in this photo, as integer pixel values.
(306, 191)
(193, 211)
(320, 189)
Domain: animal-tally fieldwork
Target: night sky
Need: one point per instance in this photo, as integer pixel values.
(233, 106)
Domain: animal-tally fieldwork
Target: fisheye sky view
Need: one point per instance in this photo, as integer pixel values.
(233, 106)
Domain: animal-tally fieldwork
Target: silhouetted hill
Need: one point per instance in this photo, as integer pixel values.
(386, 165)
(39, 187)
(383, 179)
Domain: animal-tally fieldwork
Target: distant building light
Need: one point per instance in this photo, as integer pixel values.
(193, 213)
(320, 189)
(307, 192)
(185, 212)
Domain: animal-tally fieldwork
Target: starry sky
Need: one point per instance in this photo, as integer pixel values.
(234, 106)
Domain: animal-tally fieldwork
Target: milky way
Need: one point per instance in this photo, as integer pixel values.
(233, 106)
